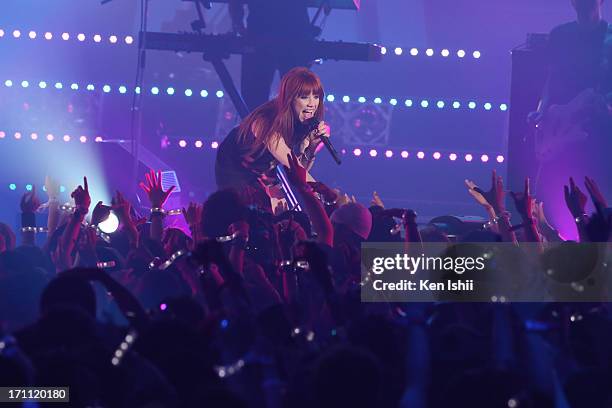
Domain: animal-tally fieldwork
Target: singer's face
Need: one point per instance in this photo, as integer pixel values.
(305, 106)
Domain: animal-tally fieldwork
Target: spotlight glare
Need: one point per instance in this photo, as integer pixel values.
(1, 33)
(445, 53)
(424, 103)
(404, 154)
(25, 84)
(122, 89)
(484, 158)
(106, 88)
(98, 139)
(503, 107)
(8, 83)
(170, 91)
(421, 155)
(137, 90)
(452, 157)
(373, 153)
(468, 157)
(65, 36)
(472, 105)
(440, 104)
(155, 90)
(81, 37)
(398, 51)
(331, 98)
(13, 186)
(188, 92)
(219, 94)
(90, 87)
(50, 137)
(48, 36)
(42, 84)
(182, 143)
(357, 152)
(461, 53)
(58, 85)
(110, 224)
(2, 134)
(437, 155)
(112, 39)
(28, 187)
(199, 144)
(488, 106)
(32, 35)
(429, 52)
(408, 102)
(129, 39)
(389, 154)
(393, 101)
(377, 100)
(34, 136)
(346, 99)
(476, 54)
(203, 93)
(17, 135)
(456, 105)
(83, 139)
(414, 52)
(97, 38)
(383, 50)
(16, 33)
(361, 99)
(500, 158)
(214, 145)
(66, 138)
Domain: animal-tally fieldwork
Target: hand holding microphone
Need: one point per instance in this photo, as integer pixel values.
(322, 132)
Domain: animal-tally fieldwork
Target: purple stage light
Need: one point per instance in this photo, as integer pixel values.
(98, 139)
(445, 53)
(429, 52)
(476, 54)
(50, 137)
(16, 33)
(404, 154)
(421, 155)
(129, 39)
(452, 156)
(182, 143)
(2, 135)
(383, 50)
(32, 35)
(97, 38)
(461, 53)
(214, 145)
(17, 135)
(81, 37)
(437, 155)
(468, 157)
(66, 138)
(48, 36)
(373, 153)
(65, 36)
(484, 158)
(112, 39)
(357, 152)
(414, 52)
(198, 144)
(500, 158)
(389, 154)
(398, 51)
(83, 139)
(34, 136)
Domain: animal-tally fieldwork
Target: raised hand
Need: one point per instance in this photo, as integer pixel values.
(494, 197)
(328, 194)
(376, 201)
(52, 188)
(574, 199)
(193, 214)
(524, 202)
(30, 202)
(598, 199)
(81, 197)
(100, 213)
(153, 188)
(295, 172)
(121, 206)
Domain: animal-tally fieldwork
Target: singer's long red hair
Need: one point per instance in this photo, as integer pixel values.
(276, 118)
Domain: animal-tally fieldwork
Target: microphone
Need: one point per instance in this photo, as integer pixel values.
(313, 124)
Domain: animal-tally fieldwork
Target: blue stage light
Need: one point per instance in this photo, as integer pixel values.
(170, 91)
(219, 94)
(13, 186)
(393, 101)
(203, 93)
(361, 99)
(28, 187)
(424, 103)
(408, 102)
(25, 84)
(155, 90)
(122, 89)
(42, 84)
(106, 88)
(188, 92)
(440, 104)
(377, 100)
(58, 85)
(346, 99)
(456, 105)
(8, 83)
(331, 98)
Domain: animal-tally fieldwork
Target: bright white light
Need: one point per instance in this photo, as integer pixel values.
(424, 103)
(122, 89)
(357, 152)
(48, 36)
(421, 155)
(452, 157)
(219, 94)
(408, 102)
(16, 33)
(65, 36)
(25, 84)
(389, 154)
(488, 106)
(97, 38)
(32, 35)
(66, 138)
(17, 135)
(445, 53)
(112, 39)
(398, 51)
(429, 52)
(8, 83)
(90, 87)
(383, 50)
(503, 107)
(468, 157)
(214, 145)
(81, 37)
(170, 91)
(476, 54)
(472, 105)
(109, 225)
(437, 155)
(203, 93)
(34, 136)
(393, 101)
(404, 154)
(484, 158)
(42, 84)
(1, 33)
(83, 139)
(58, 85)
(129, 39)
(182, 143)
(346, 99)
(155, 90)
(2, 135)
(373, 153)
(500, 159)
(361, 99)
(98, 139)
(198, 144)
(456, 105)
(414, 52)
(377, 100)
(50, 137)
(461, 53)
(106, 88)
(188, 92)
(440, 104)
(330, 98)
